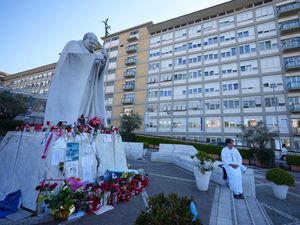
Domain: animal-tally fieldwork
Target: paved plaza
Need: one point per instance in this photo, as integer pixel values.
(168, 178)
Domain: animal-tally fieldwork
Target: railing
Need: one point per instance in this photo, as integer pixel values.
(128, 86)
(289, 26)
(132, 48)
(287, 8)
(127, 100)
(293, 85)
(129, 73)
(130, 61)
(132, 37)
(292, 65)
(295, 107)
(291, 44)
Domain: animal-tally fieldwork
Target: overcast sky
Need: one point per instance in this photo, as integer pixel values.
(33, 32)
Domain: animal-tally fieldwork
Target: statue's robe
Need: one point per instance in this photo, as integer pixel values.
(77, 86)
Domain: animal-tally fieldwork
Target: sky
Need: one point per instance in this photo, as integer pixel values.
(34, 32)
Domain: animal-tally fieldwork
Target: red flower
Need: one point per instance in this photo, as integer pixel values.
(95, 122)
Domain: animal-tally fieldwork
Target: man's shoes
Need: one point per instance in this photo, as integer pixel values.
(237, 196)
(242, 196)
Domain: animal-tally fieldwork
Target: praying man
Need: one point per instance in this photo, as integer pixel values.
(232, 162)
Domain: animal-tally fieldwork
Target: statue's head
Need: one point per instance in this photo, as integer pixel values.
(90, 41)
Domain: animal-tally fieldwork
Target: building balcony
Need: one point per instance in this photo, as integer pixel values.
(128, 87)
(130, 61)
(293, 86)
(132, 49)
(292, 66)
(288, 46)
(134, 37)
(295, 108)
(289, 27)
(129, 73)
(127, 101)
(289, 9)
(296, 131)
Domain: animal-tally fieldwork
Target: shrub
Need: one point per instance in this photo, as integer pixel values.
(293, 160)
(280, 177)
(245, 153)
(265, 157)
(9, 125)
(167, 211)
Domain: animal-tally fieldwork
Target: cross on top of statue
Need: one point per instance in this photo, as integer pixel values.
(107, 27)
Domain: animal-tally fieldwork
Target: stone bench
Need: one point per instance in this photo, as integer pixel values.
(134, 150)
(180, 155)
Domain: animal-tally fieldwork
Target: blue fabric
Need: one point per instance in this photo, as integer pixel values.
(10, 204)
(194, 211)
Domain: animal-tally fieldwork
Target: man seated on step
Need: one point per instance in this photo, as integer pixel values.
(232, 161)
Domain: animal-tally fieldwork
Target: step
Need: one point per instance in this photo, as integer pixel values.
(249, 212)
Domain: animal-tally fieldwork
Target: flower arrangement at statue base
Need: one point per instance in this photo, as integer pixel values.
(73, 195)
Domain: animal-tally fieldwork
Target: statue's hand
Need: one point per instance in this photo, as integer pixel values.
(104, 53)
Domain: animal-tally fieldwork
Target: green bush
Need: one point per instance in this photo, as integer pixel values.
(9, 125)
(265, 157)
(245, 153)
(280, 177)
(167, 211)
(293, 160)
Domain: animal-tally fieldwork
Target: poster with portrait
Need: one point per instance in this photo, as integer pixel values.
(72, 153)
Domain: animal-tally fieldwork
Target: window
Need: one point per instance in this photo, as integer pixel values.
(266, 29)
(152, 94)
(151, 108)
(224, 22)
(155, 40)
(225, 37)
(195, 105)
(232, 122)
(209, 26)
(154, 53)
(271, 101)
(167, 37)
(110, 83)
(271, 64)
(165, 123)
(113, 49)
(166, 50)
(268, 45)
(211, 56)
(180, 33)
(165, 77)
(112, 71)
(243, 34)
(154, 66)
(230, 87)
(251, 102)
(229, 68)
(264, 12)
(195, 91)
(135, 32)
(180, 61)
(194, 44)
(194, 58)
(195, 30)
(166, 64)
(112, 60)
(211, 71)
(179, 106)
(115, 38)
(231, 104)
(180, 47)
(165, 93)
(212, 105)
(228, 52)
(247, 49)
(212, 122)
(210, 41)
(244, 16)
(179, 76)
(195, 74)
(153, 79)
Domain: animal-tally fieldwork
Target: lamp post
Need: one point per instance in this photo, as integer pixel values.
(273, 86)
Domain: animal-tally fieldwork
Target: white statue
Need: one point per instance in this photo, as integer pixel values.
(77, 86)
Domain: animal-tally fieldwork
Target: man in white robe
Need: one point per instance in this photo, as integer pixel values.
(77, 87)
(232, 162)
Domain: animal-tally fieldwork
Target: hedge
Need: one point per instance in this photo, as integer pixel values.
(280, 177)
(293, 160)
(208, 148)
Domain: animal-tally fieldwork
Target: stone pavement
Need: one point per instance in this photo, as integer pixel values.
(168, 178)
